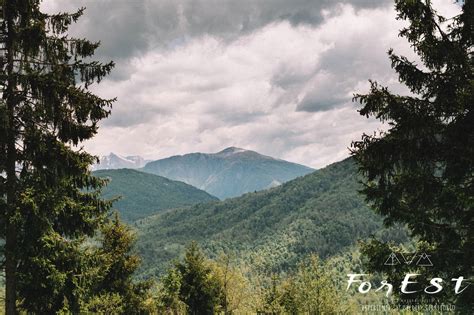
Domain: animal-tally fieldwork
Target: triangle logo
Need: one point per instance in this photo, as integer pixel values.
(424, 260)
(392, 260)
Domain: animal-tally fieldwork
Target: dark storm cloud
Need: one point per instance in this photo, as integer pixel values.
(314, 102)
(128, 27)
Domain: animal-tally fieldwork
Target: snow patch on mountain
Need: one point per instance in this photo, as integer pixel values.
(116, 161)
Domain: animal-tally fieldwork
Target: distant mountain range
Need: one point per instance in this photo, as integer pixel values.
(229, 173)
(189, 179)
(146, 194)
(115, 161)
(269, 230)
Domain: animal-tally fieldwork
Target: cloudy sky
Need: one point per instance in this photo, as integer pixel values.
(274, 76)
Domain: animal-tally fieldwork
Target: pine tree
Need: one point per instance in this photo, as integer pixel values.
(168, 293)
(217, 285)
(49, 200)
(198, 290)
(118, 266)
(420, 171)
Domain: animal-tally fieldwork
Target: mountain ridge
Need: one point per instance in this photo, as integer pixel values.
(227, 173)
(270, 230)
(117, 161)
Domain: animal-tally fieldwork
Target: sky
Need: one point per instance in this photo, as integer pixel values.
(273, 76)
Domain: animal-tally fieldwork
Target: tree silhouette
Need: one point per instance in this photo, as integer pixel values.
(198, 290)
(420, 171)
(49, 199)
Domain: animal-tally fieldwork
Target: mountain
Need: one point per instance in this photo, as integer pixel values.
(268, 230)
(229, 173)
(115, 161)
(146, 194)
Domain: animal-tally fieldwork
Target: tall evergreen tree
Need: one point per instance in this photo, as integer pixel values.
(199, 290)
(197, 285)
(168, 300)
(420, 172)
(117, 268)
(49, 199)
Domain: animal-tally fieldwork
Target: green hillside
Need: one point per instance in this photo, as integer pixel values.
(146, 194)
(269, 230)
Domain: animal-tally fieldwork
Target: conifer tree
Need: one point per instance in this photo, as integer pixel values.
(199, 290)
(49, 200)
(168, 300)
(420, 172)
(206, 286)
(117, 268)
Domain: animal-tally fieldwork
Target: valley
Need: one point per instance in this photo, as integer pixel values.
(270, 230)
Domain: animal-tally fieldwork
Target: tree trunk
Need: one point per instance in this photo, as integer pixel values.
(10, 228)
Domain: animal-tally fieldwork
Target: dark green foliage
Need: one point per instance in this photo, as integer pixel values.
(107, 303)
(145, 194)
(420, 172)
(375, 253)
(49, 198)
(198, 290)
(117, 267)
(169, 298)
(270, 230)
(57, 274)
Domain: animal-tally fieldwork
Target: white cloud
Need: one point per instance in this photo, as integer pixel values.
(209, 94)
(281, 88)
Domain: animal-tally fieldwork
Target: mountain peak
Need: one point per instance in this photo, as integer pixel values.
(228, 173)
(116, 161)
(231, 150)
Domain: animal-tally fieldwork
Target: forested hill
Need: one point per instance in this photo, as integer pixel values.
(146, 194)
(321, 212)
(228, 173)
